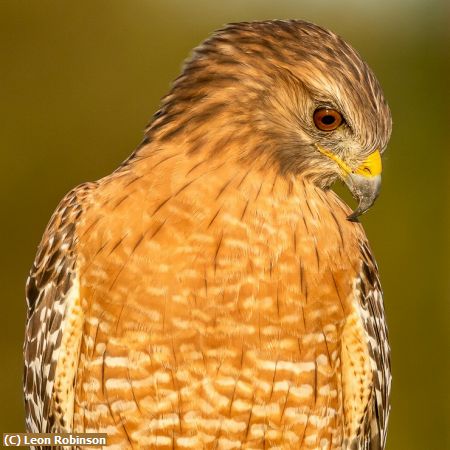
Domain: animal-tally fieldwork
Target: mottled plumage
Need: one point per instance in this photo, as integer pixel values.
(211, 293)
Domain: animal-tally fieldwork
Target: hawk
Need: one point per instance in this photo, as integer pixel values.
(213, 292)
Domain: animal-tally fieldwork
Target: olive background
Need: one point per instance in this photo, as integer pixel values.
(79, 80)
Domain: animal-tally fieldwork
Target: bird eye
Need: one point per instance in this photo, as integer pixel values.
(327, 119)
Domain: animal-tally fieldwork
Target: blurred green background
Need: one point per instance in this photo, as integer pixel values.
(80, 79)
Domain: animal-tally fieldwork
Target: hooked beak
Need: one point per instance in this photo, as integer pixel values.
(365, 190)
(364, 182)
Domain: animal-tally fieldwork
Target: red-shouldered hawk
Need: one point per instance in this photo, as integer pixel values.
(213, 292)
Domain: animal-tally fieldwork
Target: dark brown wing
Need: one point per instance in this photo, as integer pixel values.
(371, 300)
(51, 279)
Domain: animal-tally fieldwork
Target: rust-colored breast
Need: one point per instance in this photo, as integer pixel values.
(214, 309)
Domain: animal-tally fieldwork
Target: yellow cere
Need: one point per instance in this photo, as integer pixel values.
(371, 167)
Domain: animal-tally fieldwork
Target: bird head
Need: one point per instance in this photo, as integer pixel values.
(285, 93)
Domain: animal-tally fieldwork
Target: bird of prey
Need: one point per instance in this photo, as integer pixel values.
(213, 292)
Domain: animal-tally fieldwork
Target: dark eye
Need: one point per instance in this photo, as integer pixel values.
(327, 119)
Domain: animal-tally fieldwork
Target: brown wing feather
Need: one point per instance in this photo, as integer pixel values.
(375, 324)
(48, 284)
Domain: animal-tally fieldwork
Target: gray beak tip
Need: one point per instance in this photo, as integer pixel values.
(353, 217)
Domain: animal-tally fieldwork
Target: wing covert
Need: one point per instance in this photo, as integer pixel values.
(48, 286)
(371, 301)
